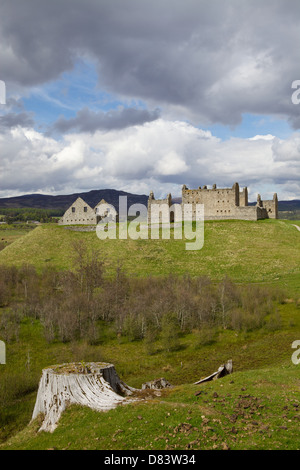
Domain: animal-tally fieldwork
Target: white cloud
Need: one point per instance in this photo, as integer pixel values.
(159, 155)
(70, 157)
(263, 137)
(171, 164)
(287, 150)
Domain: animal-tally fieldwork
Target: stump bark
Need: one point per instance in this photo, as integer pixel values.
(96, 385)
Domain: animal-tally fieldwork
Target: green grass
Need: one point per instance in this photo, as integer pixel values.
(265, 251)
(247, 410)
(250, 352)
(11, 233)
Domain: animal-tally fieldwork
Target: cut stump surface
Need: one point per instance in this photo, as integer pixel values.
(95, 384)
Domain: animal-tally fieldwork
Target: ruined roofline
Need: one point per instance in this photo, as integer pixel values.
(151, 197)
(101, 202)
(213, 188)
(79, 199)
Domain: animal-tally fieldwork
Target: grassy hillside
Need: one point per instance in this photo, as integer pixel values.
(257, 407)
(264, 251)
(260, 412)
(260, 400)
(11, 233)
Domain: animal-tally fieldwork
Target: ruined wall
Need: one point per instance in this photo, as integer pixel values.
(244, 197)
(271, 207)
(218, 203)
(250, 213)
(80, 213)
(159, 210)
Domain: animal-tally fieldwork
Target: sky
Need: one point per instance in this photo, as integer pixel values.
(138, 96)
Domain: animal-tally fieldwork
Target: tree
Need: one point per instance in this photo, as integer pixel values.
(170, 332)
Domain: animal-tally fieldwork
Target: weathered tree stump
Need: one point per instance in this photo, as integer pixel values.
(94, 384)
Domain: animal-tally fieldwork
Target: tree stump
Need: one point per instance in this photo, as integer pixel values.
(94, 384)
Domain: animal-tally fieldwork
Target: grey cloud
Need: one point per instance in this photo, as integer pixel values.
(209, 61)
(14, 104)
(11, 120)
(91, 121)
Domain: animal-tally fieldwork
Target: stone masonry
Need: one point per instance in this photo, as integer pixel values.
(80, 213)
(219, 204)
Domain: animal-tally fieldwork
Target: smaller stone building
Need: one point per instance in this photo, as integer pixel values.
(80, 213)
(103, 209)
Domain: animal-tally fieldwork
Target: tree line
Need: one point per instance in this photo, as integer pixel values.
(79, 303)
(25, 214)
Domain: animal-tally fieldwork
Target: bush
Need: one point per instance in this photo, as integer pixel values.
(243, 320)
(70, 303)
(170, 332)
(273, 323)
(206, 336)
(132, 328)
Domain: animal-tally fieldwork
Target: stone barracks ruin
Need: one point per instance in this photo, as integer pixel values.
(219, 204)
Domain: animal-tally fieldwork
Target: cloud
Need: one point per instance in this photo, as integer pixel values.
(208, 62)
(90, 121)
(191, 64)
(287, 150)
(160, 155)
(13, 120)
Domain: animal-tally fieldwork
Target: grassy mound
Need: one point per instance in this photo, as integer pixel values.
(263, 251)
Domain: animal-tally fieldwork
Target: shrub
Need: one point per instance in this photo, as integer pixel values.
(206, 336)
(170, 332)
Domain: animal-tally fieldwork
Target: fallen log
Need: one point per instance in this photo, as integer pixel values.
(96, 385)
(223, 370)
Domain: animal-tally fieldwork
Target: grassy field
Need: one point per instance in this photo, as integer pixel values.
(265, 252)
(257, 407)
(10, 233)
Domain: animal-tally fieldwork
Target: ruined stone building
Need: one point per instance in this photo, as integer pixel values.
(80, 213)
(219, 203)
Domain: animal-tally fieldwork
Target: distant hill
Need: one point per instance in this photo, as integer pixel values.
(62, 202)
(293, 205)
